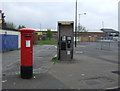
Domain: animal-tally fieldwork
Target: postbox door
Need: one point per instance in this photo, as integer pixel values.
(27, 51)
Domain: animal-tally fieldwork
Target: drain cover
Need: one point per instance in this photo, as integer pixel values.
(116, 72)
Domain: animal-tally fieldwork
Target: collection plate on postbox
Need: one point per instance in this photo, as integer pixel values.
(27, 43)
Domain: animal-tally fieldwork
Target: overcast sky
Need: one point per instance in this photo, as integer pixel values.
(32, 14)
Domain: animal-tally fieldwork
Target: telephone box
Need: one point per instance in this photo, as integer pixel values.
(65, 40)
(26, 53)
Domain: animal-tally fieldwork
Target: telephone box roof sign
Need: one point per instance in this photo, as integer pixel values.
(26, 30)
(65, 22)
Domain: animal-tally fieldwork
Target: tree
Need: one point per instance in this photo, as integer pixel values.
(21, 26)
(49, 34)
(10, 25)
(82, 29)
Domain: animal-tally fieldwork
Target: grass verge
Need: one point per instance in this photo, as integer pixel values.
(48, 42)
(54, 60)
(9, 50)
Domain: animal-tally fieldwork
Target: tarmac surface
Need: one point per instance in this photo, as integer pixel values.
(95, 66)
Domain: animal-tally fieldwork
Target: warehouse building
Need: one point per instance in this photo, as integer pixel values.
(91, 35)
(42, 34)
(111, 34)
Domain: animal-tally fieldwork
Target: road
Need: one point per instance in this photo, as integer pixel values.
(91, 68)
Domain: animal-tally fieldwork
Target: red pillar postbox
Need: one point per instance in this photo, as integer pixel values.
(26, 53)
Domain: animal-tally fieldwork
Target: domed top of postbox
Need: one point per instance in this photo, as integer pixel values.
(26, 30)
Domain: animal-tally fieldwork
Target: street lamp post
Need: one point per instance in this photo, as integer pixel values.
(79, 21)
(79, 17)
(75, 23)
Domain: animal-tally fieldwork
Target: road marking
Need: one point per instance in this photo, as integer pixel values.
(112, 88)
(83, 74)
(81, 46)
(55, 47)
(4, 81)
(37, 69)
(12, 63)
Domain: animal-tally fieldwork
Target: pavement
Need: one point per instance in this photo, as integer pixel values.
(91, 68)
(94, 66)
(41, 79)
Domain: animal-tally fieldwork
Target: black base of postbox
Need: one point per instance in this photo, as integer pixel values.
(26, 72)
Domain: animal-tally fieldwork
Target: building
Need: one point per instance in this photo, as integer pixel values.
(111, 34)
(90, 35)
(42, 34)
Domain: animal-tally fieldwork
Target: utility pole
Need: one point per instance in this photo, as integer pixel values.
(79, 29)
(75, 23)
(79, 20)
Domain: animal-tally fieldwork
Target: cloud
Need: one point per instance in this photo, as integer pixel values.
(32, 14)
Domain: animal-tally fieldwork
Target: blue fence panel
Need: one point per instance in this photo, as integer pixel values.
(9, 42)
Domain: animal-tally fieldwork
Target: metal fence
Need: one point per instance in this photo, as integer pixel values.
(101, 45)
(107, 45)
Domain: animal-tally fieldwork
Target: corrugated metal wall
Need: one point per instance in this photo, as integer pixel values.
(9, 40)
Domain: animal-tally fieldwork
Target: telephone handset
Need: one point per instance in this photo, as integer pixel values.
(63, 43)
(69, 40)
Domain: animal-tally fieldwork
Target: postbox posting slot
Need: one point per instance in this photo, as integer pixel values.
(63, 43)
(27, 36)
